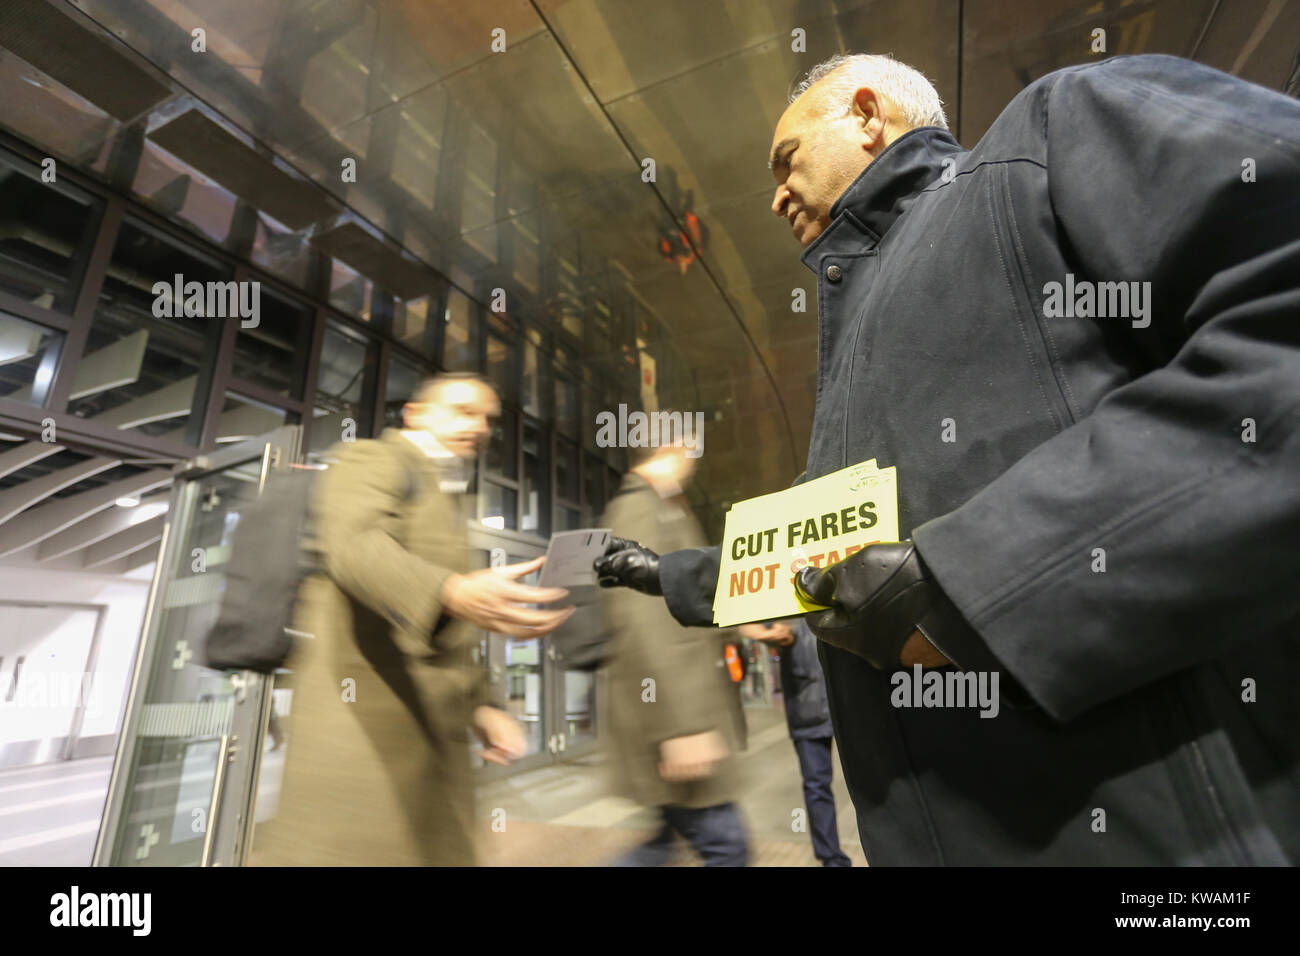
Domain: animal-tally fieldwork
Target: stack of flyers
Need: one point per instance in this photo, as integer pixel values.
(820, 522)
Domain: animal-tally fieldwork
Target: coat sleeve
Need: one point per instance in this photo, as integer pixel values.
(358, 501)
(688, 579)
(1159, 531)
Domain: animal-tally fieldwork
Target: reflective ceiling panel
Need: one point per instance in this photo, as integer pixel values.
(501, 144)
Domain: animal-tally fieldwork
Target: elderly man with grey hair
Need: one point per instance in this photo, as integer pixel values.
(1079, 342)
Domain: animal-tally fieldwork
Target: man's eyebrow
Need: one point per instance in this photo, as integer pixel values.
(789, 142)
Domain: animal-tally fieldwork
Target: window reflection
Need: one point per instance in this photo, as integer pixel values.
(281, 252)
(502, 365)
(460, 327)
(243, 418)
(179, 191)
(536, 495)
(139, 369)
(566, 469)
(502, 448)
(340, 387)
(566, 405)
(273, 353)
(28, 353)
(499, 507)
(350, 291)
(44, 235)
(403, 379)
(411, 325)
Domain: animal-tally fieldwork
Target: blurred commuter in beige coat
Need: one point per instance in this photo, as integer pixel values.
(379, 766)
(672, 741)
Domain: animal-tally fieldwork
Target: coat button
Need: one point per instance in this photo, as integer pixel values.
(834, 274)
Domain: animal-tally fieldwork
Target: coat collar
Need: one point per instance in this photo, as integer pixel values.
(884, 191)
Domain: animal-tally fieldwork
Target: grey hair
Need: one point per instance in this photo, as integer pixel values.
(907, 89)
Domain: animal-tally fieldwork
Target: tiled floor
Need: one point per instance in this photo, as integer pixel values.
(49, 814)
(560, 815)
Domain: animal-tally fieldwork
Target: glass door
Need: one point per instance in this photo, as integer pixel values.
(182, 788)
(557, 707)
(516, 669)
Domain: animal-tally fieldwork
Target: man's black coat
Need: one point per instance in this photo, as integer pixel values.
(1112, 502)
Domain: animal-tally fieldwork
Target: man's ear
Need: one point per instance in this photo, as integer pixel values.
(871, 115)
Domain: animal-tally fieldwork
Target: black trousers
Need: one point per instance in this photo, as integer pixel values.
(815, 768)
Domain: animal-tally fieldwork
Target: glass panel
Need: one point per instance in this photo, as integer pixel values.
(569, 519)
(591, 487)
(274, 352)
(42, 230)
(419, 151)
(592, 403)
(566, 469)
(184, 707)
(460, 324)
(566, 405)
(501, 366)
(41, 110)
(478, 201)
(28, 353)
(530, 393)
(403, 380)
(579, 706)
(144, 352)
(502, 447)
(340, 385)
(537, 499)
(180, 191)
(350, 291)
(499, 506)
(525, 694)
(411, 323)
(243, 418)
(279, 251)
(527, 260)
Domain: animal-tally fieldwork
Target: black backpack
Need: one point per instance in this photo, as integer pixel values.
(267, 565)
(268, 561)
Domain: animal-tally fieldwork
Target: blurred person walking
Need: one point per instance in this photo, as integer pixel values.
(386, 688)
(672, 724)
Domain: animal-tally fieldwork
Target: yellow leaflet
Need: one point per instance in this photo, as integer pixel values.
(769, 538)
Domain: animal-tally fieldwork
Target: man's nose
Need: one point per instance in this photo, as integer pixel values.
(779, 200)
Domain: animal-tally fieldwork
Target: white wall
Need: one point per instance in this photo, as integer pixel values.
(124, 597)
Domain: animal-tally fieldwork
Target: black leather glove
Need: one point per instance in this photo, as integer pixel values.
(877, 598)
(628, 564)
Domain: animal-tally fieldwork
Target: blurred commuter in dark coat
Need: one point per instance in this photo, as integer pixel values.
(673, 730)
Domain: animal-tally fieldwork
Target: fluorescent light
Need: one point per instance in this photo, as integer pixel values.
(127, 502)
